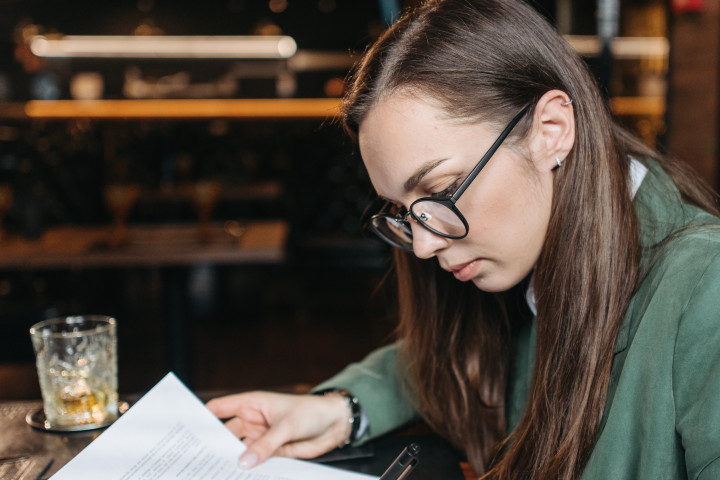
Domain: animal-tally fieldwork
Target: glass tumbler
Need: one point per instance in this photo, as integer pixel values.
(76, 359)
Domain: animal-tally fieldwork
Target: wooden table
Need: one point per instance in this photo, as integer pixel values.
(438, 460)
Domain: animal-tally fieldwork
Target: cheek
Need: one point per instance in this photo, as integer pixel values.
(512, 212)
(492, 204)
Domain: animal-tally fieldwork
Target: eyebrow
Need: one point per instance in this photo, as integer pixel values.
(426, 168)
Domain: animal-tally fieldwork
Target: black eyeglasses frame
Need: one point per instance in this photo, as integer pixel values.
(449, 203)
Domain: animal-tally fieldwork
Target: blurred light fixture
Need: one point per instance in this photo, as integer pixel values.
(114, 46)
(621, 47)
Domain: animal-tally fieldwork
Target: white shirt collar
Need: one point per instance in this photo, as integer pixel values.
(637, 175)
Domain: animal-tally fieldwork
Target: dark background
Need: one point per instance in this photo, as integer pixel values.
(246, 326)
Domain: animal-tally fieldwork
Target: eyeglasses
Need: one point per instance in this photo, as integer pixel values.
(438, 215)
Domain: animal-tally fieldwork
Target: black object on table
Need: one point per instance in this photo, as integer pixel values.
(439, 460)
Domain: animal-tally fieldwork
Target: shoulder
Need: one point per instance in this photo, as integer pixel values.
(692, 268)
(663, 216)
(676, 271)
(679, 298)
(688, 254)
(679, 286)
(696, 357)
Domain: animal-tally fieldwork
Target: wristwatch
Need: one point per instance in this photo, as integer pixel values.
(354, 407)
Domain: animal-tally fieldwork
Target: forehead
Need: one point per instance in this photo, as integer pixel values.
(403, 133)
(398, 119)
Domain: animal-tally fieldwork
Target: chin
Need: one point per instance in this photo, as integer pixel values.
(494, 283)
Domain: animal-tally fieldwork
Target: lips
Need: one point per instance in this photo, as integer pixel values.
(465, 271)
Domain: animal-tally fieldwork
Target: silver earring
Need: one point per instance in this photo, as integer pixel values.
(559, 162)
(565, 104)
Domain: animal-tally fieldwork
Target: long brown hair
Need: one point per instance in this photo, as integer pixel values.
(483, 60)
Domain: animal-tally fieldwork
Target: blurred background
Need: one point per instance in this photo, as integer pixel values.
(208, 199)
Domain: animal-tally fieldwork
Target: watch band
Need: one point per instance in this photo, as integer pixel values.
(355, 411)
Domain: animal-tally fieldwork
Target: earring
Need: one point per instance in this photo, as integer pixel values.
(565, 104)
(559, 162)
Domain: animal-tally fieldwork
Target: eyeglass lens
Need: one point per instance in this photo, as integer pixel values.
(434, 215)
(396, 231)
(438, 217)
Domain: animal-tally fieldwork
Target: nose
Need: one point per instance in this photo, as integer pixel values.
(425, 243)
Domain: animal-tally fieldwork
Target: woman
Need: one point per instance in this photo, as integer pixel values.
(558, 295)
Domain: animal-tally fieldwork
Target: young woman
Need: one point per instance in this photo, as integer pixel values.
(559, 282)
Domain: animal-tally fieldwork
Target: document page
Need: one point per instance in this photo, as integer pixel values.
(169, 434)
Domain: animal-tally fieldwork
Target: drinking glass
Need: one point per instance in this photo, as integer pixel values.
(205, 195)
(120, 198)
(76, 359)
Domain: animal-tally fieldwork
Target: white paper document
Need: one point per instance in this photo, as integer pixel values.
(169, 434)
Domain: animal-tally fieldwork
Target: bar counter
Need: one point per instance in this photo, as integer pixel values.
(150, 245)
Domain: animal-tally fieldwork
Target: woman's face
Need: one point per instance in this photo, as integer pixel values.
(507, 206)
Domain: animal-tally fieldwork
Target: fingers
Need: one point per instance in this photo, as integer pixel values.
(257, 407)
(246, 430)
(243, 412)
(307, 429)
(226, 407)
(265, 446)
(306, 449)
(282, 424)
(274, 443)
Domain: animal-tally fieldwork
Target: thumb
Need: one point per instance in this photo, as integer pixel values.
(263, 447)
(247, 460)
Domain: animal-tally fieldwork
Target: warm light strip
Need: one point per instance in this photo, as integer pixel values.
(654, 106)
(110, 46)
(621, 47)
(285, 108)
(297, 108)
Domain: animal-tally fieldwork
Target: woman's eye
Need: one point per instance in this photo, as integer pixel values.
(445, 193)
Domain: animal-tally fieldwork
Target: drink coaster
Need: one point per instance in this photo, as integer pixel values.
(37, 420)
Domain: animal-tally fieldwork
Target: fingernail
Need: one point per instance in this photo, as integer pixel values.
(248, 460)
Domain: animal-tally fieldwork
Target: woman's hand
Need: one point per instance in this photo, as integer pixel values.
(276, 424)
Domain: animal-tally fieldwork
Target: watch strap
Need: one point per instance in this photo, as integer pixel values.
(354, 408)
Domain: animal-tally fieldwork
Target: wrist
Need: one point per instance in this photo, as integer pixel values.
(353, 413)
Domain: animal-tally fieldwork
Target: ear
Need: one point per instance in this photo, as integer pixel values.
(553, 131)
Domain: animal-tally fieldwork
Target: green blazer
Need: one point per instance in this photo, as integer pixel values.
(662, 417)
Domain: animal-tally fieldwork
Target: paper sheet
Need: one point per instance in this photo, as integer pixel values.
(169, 434)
